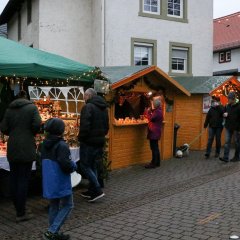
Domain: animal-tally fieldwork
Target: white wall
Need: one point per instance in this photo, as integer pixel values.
(97, 33)
(66, 28)
(74, 29)
(29, 32)
(123, 23)
(234, 64)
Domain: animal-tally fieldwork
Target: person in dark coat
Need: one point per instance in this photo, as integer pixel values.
(232, 127)
(94, 125)
(57, 165)
(214, 122)
(155, 118)
(21, 123)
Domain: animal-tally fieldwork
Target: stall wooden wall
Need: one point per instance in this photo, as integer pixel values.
(189, 115)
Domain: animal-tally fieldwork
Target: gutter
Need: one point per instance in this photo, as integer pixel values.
(103, 33)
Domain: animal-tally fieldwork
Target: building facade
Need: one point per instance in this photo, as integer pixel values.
(226, 48)
(174, 35)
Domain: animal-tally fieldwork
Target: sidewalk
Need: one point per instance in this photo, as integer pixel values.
(133, 194)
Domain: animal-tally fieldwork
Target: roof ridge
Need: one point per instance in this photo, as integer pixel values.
(226, 16)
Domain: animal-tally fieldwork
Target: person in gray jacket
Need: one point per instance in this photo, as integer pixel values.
(21, 123)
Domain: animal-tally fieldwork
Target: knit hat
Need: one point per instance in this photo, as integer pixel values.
(231, 95)
(55, 126)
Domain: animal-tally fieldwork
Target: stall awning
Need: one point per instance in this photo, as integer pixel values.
(121, 75)
(22, 61)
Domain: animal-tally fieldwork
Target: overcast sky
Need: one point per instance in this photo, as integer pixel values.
(221, 7)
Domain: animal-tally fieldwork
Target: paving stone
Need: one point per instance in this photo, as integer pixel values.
(175, 201)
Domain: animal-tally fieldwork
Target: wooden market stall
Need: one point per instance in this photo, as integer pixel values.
(130, 87)
(190, 112)
(56, 85)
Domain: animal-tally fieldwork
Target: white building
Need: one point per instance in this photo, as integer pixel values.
(226, 47)
(174, 35)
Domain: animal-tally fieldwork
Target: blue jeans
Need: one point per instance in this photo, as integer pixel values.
(227, 145)
(214, 133)
(59, 209)
(155, 152)
(20, 174)
(89, 157)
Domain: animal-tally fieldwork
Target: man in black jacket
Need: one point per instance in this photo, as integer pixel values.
(94, 125)
(232, 126)
(21, 122)
(214, 120)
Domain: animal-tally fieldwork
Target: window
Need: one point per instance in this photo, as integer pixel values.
(221, 57)
(228, 56)
(19, 27)
(29, 11)
(225, 57)
(151, 6)
(170, 10)
(179, 60)
(144, 52)
(175, 8)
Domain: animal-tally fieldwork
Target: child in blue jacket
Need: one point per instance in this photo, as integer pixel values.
(56, 169)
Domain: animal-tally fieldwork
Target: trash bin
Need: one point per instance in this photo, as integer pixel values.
(176, 127)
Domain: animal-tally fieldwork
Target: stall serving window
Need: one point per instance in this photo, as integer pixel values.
(130, 106)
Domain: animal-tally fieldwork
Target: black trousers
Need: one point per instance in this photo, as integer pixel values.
(155, 152)
(19, 181)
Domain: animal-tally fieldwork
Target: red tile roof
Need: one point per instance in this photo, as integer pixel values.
(226, 32)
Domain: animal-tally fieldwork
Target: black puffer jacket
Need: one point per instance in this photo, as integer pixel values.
(94, 122)
(233, 119)
(21, 122)
(214, 117)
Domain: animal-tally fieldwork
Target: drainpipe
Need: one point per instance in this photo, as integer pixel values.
(103, 33)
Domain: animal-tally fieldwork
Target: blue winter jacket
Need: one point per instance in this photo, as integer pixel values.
(56, 168)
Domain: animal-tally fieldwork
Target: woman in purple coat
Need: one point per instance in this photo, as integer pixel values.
(155, 118)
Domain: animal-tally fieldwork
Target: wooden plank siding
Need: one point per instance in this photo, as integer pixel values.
(188, 114)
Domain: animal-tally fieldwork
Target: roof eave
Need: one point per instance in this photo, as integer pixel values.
(9, 10)
(146, 71)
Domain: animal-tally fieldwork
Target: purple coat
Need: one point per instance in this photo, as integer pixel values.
(155, 118)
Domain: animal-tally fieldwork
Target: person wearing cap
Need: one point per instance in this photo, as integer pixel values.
(232, 127)
(57, 165)
(21, 123)
(155, 118)
(213, 121)
(94, 125)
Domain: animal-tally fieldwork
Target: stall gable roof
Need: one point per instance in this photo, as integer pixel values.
(202, 85)
(22, 61)
(121, 75)
(116, 74)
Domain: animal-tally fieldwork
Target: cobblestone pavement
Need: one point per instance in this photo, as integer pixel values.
(190, 198)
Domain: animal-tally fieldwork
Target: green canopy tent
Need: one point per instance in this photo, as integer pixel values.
(26, 62)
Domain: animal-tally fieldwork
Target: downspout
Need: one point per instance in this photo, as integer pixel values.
(103, 34)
